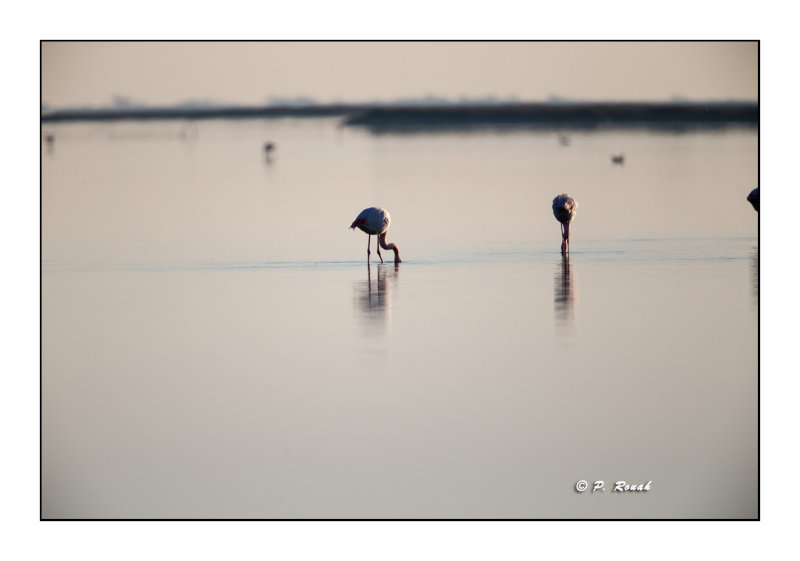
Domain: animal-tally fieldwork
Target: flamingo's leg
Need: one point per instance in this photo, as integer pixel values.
(368, 240)
(379, 249)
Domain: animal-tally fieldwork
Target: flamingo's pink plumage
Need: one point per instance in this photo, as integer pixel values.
(375, 221)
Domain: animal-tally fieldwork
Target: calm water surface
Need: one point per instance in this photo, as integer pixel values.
(214, 344)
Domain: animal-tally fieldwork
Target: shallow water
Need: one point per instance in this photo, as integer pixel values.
(214, 344)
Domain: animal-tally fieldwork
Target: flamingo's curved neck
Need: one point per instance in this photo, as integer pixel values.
(393, 247)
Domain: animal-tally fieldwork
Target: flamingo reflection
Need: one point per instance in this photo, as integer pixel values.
(565, 293)
(373, 297)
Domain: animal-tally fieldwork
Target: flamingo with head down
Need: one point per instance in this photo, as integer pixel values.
(375, 221)
(753, 198)
(565, 208)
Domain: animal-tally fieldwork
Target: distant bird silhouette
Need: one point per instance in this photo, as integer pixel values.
(49, 138)
(565, 208)
(564, 140)
(269, 148)
(753, 198)
(375, 221)
(618, 159)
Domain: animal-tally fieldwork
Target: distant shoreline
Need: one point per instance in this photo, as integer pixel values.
(160, 113)
(412, 117)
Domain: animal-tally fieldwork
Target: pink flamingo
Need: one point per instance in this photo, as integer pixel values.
(753, 198)
(375, 221)
(565, 208)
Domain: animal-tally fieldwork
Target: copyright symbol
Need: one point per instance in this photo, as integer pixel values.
(581, 486)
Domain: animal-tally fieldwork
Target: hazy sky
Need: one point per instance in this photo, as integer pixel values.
(81, 73)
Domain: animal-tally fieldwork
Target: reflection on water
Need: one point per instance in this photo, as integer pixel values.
(754, 271)
(565, 293)
(373, 297)
(177, 316)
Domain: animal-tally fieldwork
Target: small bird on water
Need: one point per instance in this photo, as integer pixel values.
(753, 198)
(269, 149)
(375, 221)
(565, 208)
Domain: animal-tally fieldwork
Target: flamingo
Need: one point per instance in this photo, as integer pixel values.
(375, 221)
(269, 148)
(565, 208)
(753, 198)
